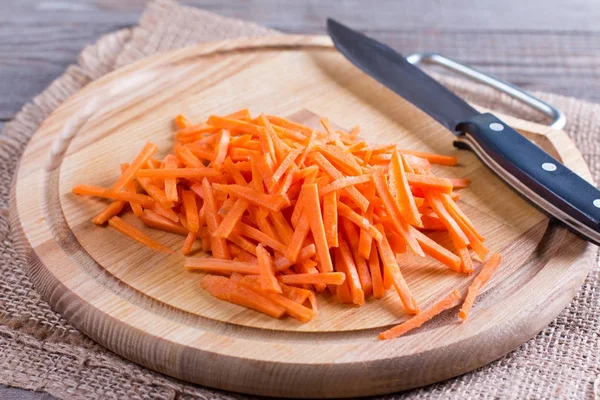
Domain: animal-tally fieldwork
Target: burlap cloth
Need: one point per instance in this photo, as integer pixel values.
(39, 350)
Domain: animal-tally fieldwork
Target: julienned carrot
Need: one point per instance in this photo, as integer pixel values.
(233, 216)
(147, 152)
(447, 302)
(109, 211)
(228, 290)
(96, 191)
(189, 173)
(484, 275)
(276, 201)
(208, 264)
(312, 208)
(128, 230)
(330, 218)
(460, 183)
(328, 278)
(268, 282)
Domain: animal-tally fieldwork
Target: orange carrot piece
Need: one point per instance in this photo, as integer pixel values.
(429, 182)
(366, 240)
(446, 303)
(362, 267)
(165, 212)
(401, 188)
(297, 240)
(186, 156)
(234, 172)
(400, 224)
(243, 114)
(171, 183)
(305, 253)
(253, 233)
(450, 205)
(131, 187)
(221, 148)
(392, 274)
(268, 282)
(460, 183)
(286, 163)
(155, 192)
(218, 245)
(345, 263)
(128, 230)
(432, 158)
(200, 151)
(376, 278)
(88, 190)
(233, 292)
(284, 230)
(362, 222)
(287, 124)
(437, 251)
(330, 218)
(147, 152)
(484, 275)
(191, 210)
(326, 278)
(312, 208)
(457, 234)
(156, 221)
(109, 211)
(341, 159)
(360, 200)
(234, 125)
(231, 218)
(273, 203)
(218, 266)
(189, 242)
(433, 223)
(182, 122)
(189, 173)
(344, 182)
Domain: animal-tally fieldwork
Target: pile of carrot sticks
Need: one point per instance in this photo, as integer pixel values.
(288, 211)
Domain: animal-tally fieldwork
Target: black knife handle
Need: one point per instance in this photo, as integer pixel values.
(535, 174)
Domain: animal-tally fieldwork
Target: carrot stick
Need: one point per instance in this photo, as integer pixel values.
(400, 224)
(123, 227)
(253, 233)
(285, 123)
(484, 275)
(305, 253)
(234, 125)
(342, 160)
(156, 221)
(147, 152)
(362, 267)
(460, 183)
(432, 158)
(218, 245)
(228, 290)
(457, 234)
(189, 242)
(171, 183)
(186, 156)
(446, 303)
(326, 278)
(96, 191)
(273, 203)
(392, 274)
(312, 208)
(268, 282)
(330, 219)
(437, 251)
(189, 173)
(404, 197)
(297, 241)
(109, 211)
(221, 148)
(191, 210)
(285, 164)
(451, 205)
(345, 182)
(182, 122)
(362, 222)
(376, 278)
(131, 187)
(217, 266)
(345, 263)
(231, 218)
(165, 212)
(234, 172)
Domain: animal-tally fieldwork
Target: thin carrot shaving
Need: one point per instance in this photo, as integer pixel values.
(484, 275)
(289, 211)
(446, 303)
(123, 227)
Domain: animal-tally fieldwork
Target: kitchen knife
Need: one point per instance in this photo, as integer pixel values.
(525, 167)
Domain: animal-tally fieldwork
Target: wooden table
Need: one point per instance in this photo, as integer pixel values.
(537, 44)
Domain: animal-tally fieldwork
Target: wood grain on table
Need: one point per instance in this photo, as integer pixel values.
(538, 44)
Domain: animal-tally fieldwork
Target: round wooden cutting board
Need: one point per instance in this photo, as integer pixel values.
(144, 306)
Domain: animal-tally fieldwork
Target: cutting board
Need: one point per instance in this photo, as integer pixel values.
(144, 306)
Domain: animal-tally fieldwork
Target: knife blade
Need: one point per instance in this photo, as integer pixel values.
(525, 167)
